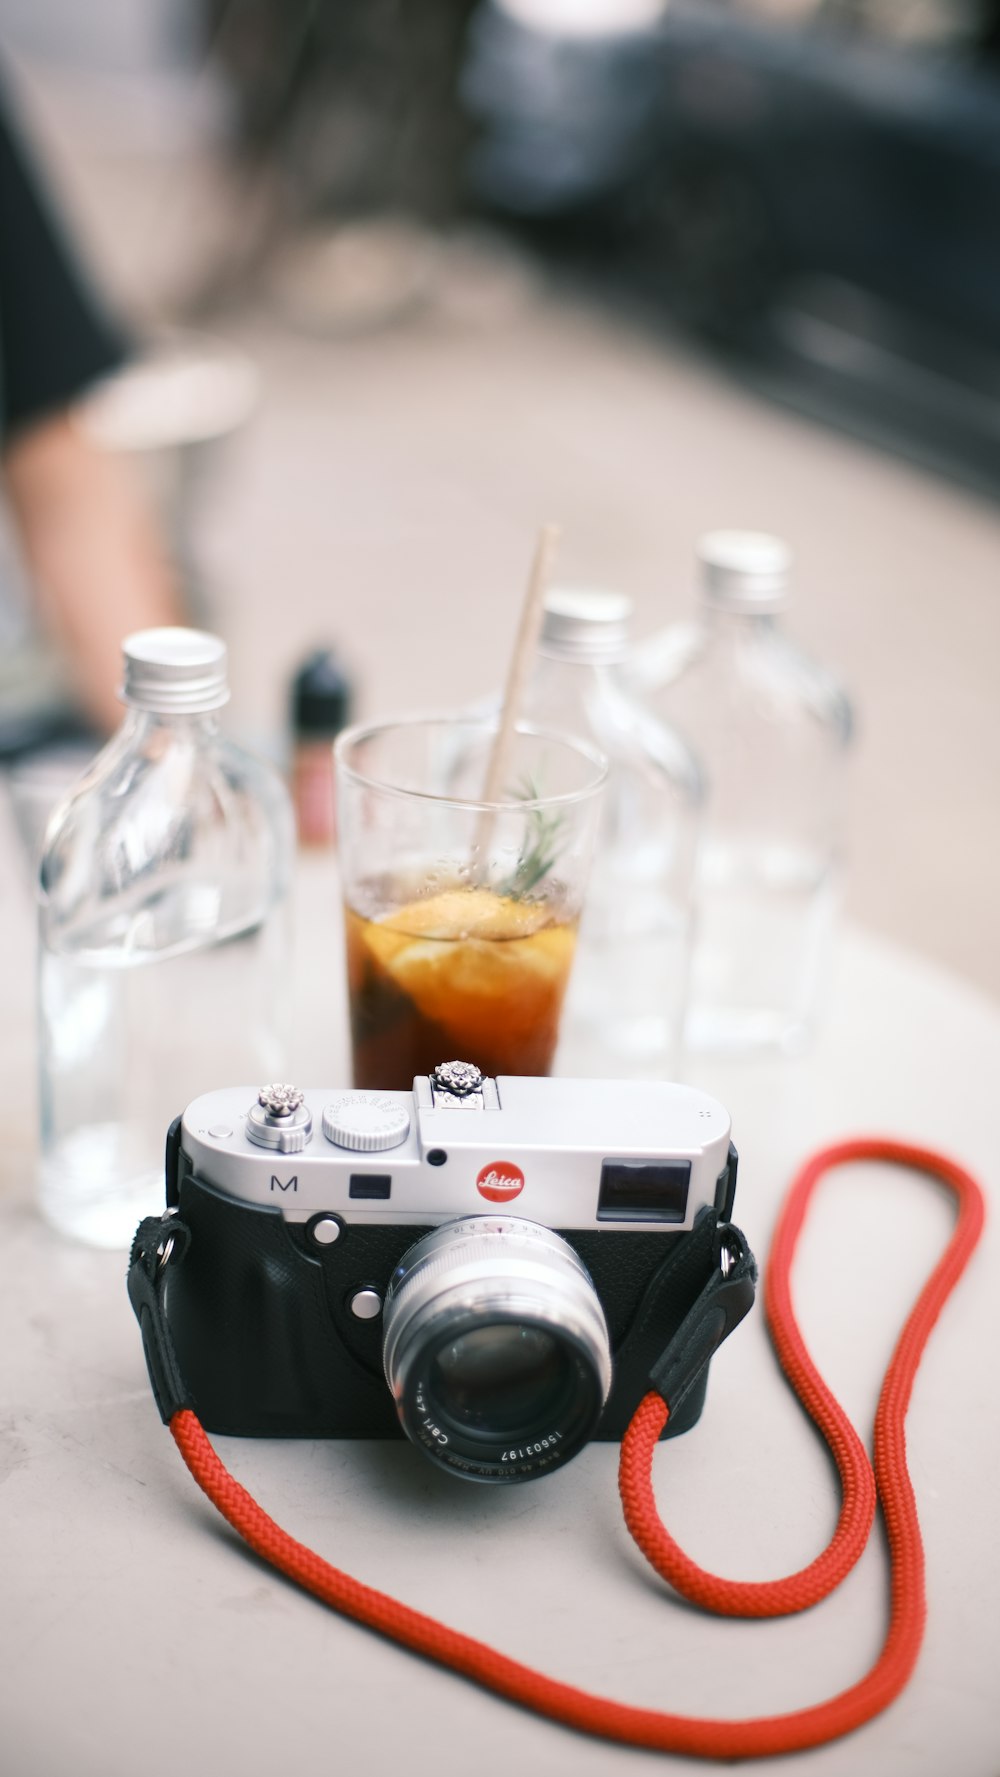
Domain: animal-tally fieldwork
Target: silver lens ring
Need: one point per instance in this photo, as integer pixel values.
(496, 1348)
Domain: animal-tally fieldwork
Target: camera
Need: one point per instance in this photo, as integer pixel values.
(488, 1266)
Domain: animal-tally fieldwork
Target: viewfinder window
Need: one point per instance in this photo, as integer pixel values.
(370, 1184)
(644, 1191)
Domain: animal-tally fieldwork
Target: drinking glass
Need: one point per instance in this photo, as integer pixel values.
(460, 913)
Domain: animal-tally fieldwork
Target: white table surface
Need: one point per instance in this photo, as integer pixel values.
(137, 1636)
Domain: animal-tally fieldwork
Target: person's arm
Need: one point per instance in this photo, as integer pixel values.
(89, 543)
(91, 551)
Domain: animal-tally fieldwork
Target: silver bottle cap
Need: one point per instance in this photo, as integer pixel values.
(586, 624)
(174, 671)
(744, 570)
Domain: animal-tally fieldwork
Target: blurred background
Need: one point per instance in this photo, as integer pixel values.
(406, 280)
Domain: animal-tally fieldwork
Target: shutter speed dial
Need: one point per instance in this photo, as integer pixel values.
(365, 1122)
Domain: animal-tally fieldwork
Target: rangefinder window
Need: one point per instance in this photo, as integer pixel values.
(644, 1191)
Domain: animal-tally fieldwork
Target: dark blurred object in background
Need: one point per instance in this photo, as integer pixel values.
(816, 185)
(348, 107)
(321, 700)
(352, 103)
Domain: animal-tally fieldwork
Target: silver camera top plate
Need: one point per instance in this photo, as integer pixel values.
(572, 1154)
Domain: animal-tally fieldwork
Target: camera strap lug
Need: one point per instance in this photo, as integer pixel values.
(160, 1242)
(725, 1299)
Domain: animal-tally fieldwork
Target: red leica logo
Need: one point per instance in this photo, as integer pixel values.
(500, 1181)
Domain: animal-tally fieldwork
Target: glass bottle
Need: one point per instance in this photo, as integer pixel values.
(771, 731)
(320, 707)
(163, 953)
(625, 999)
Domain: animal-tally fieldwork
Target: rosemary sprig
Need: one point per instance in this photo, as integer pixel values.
(541, 849)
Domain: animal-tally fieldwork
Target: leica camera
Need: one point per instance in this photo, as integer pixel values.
(488, 1266)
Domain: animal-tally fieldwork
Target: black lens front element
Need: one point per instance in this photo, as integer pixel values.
(502, 1398)
(503, 1380)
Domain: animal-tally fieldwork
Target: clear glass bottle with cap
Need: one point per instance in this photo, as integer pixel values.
(164, 942)
(771, 730)
(624, 1004)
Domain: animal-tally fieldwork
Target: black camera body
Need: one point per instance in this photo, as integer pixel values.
(492, 1267)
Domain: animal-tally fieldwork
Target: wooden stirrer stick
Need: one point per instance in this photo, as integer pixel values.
(524, 651)
(522, 658)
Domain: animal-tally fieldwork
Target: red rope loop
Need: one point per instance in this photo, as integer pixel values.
(650, 1728)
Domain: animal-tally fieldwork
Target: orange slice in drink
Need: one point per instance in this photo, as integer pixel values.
(470, 913)
(469, 958)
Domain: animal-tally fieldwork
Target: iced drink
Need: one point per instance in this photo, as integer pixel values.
(460, 914)
(465, 973)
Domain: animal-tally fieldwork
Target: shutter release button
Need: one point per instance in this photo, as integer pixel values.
(280, 1120)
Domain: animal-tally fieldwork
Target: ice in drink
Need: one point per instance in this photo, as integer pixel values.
(465, 974)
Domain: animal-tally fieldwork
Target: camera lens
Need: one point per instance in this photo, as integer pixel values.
(496, 1348)
(500, 1378)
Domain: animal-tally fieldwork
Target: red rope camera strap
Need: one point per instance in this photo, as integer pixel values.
(650, 1728)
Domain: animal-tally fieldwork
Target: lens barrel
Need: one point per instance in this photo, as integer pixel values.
(496, 1348)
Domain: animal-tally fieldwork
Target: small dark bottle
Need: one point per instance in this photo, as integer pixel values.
(321, 707)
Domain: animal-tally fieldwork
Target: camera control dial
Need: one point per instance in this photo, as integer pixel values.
(365, 1122)
(280, 1120)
